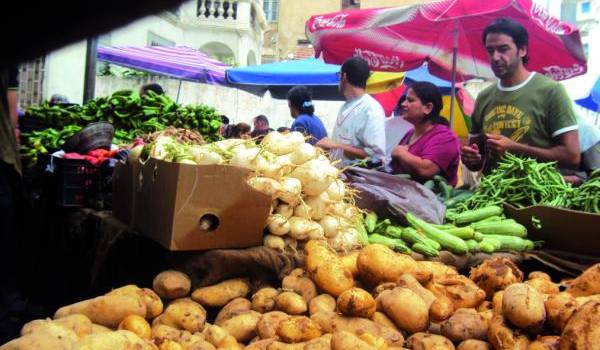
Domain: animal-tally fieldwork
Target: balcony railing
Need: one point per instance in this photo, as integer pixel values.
(217, 9)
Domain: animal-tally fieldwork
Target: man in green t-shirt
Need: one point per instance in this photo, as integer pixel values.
(524, 113)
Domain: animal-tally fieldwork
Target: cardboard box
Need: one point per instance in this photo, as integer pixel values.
(562, 229)
(125, 179)
(198, 207)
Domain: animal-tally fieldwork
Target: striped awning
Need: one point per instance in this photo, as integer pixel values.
(178, 62)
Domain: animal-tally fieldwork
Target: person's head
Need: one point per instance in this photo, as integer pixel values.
(224, 120)
(506, 43)
(354, 73)
(58, 99)
(157, 89)
(398, 110)
(300, 101)
(423, 104)
(261, 122)
(241, 131)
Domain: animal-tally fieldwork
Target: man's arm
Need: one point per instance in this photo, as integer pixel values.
(353, 152)
(565, 152)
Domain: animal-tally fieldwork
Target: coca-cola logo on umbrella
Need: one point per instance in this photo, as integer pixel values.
(378, 61)
(322, 22)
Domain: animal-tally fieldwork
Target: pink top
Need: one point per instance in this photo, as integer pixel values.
(439, 145)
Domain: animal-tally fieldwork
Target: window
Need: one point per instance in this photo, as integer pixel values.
(585, 7)
(586, 50)
(350, 4)
(157, 40)
(271, 8)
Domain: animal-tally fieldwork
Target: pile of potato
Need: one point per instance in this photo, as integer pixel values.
(372, 299)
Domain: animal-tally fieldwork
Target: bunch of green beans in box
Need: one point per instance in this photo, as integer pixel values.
(480, 230)
(524, 182)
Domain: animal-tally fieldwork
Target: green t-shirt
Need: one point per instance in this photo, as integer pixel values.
(533, 113)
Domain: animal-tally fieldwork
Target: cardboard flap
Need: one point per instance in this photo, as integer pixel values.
(562, 229)
(220, 196)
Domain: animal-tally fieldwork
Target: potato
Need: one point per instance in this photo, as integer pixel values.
(408, 281)
(383, 287)
(545, 343)
(80, 324)
(172, 284)
(465, 324)
(437, 268)
(356, 302)
(487, 315)
(154, 305)
(161, 332)
(485, 306)
(502, 337)
(378, 264)
(497, 302)
(381, 319)
(441, 308)
(298, 329)
(137, 325)
(48, 335)
(106, 310)
(264, 299)
(194, 341)
(220, 294)
(496, 274)
(349, 260)
(229, 343)
(183, 314)
(463, 292)
(260, 345)
(301, 285)
(543, 286)
(346, 340)
(214, 334)
(234, 307)
(559, 309)
(120, 339)
(538, 274)
(326, 268)
(322, 302)
(524, 307)
(582, 330)
(321, 343)
(472, 344)
(170, 345)
(242, 326)
(269, 322)
(291, 303)
(408, 311)
(588, 283)
(425, 341)
(330, 322)
(96, 328)
(377, 342)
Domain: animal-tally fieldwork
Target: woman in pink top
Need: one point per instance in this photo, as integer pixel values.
(431, 148)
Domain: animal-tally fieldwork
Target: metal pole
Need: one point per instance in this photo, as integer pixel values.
(89, 80)
(178, 91)
(454, 59)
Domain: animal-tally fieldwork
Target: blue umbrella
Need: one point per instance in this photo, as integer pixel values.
(279, 77)
(422, 74)
(592, 102)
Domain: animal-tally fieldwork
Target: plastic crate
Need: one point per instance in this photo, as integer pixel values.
(77, 181)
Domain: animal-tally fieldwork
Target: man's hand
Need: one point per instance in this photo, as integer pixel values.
(500, 144)
(470, 156)
(327, 144)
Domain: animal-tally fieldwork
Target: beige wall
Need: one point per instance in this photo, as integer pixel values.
(293, 15)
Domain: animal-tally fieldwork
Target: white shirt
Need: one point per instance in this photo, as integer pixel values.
(395, 129)
(361, 124)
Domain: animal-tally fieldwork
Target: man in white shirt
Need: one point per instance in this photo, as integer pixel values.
(359, 130)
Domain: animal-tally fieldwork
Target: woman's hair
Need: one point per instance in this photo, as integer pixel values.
(301, 99)
(429, 93)
(239, 129)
